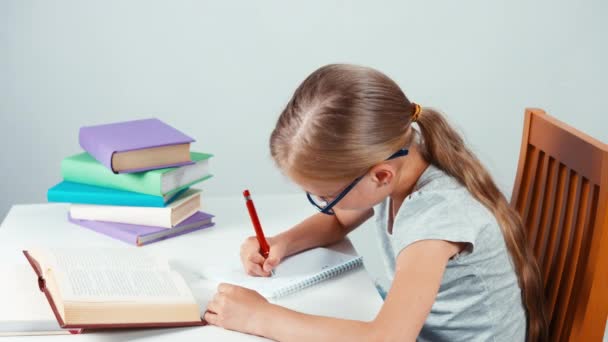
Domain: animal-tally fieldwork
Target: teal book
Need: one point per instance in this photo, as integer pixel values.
(83, 168)
(70, 192)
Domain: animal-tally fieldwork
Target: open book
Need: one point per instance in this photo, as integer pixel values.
(293, 274)
(115, 288)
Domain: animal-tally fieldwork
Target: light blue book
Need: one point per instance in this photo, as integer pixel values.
(70, 192)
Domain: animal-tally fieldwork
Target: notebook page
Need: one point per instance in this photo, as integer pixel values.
(294, 271)
(116, 275)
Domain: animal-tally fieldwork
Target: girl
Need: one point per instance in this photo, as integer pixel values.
(456, 251)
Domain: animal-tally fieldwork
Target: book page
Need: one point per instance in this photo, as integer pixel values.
(114, 275)
(24, 308)
(294, 270)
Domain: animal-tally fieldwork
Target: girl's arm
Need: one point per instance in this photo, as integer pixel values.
(322, 230)
(418, 274)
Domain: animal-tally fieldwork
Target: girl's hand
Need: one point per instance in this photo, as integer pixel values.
(237, 308)
(253, 261)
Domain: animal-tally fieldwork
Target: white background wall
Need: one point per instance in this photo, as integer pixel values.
(221, 71)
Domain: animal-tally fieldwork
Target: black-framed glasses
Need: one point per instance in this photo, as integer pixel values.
(326, 207)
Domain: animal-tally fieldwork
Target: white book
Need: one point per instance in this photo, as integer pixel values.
(293, 274)
(173, 214)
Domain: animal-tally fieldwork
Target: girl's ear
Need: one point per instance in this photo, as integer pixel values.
(382, 174)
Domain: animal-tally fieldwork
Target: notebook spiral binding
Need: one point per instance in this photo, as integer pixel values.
(319, 277)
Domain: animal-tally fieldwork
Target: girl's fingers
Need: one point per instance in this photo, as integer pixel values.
(256, 258)
(250, 244)
(255, 269)
(210, 318)
(211, 307)
(253, 258)
(270, 264)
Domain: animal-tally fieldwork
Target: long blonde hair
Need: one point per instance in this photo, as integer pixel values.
(343, 119)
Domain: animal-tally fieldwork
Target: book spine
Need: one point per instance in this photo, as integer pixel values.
(136, 200)
(86, 139)
(155, 217)
(92, 172)
(150, 182)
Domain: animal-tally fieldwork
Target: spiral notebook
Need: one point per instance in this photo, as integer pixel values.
(295, 273)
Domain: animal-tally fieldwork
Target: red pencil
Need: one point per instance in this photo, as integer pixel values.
(259, 233)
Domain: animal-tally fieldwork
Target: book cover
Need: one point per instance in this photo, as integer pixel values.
(83, 168)
(70, 192)
(139, 235)
(102, 141)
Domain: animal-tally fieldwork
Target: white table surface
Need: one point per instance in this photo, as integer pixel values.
(352, 295)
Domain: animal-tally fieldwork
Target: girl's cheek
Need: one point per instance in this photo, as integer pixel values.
(352, 204)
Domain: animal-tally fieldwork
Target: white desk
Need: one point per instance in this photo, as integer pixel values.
(352, 295)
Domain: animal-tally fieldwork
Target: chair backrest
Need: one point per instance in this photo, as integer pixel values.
(561, 193)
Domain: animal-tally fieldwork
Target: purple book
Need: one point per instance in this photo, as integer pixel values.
(104, 141)
(143, 235)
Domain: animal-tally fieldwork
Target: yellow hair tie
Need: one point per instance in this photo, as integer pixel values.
(417, 111)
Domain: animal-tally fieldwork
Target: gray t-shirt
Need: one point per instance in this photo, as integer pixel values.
(479, 298)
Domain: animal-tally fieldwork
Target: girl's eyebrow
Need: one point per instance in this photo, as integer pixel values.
(332, 195)
(318, 195)
(337, 192)
(312, 193)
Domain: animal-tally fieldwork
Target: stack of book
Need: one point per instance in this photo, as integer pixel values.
(133, 182)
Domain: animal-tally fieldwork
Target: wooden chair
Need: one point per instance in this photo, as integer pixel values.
(561, 193)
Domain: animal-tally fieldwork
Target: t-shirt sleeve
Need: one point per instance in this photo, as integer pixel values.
(437, 215)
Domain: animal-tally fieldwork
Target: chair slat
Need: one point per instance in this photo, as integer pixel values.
(567, 228)
(573, 253)
(530, 180)
(555, 224)
(576, 296)
(540, 245)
